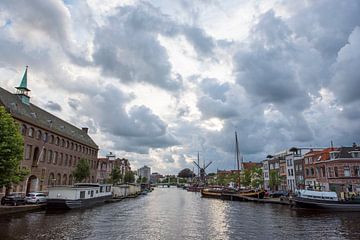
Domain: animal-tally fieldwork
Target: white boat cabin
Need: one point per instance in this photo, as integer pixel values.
(80, 191)
(317, 195)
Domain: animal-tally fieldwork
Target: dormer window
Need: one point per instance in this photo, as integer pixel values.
(334, 155)
(355, 154)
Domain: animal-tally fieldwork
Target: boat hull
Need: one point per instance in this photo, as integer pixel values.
(231, 195)
(74, 204)
(325, 205)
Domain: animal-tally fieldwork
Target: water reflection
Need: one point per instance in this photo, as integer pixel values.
(170, 213)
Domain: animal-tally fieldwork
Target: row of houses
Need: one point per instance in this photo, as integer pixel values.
(327, 169)
(52, 146)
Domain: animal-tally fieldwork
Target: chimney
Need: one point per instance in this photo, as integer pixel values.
(85, 129)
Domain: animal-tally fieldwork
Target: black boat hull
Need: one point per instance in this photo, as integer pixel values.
(326, 205)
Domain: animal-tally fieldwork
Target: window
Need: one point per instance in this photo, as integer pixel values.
(44, 155)
(70, 160)
(336, 171)
(72, 146)
(28, 150)
(62, 142)
(50, 156)
(307, 172)
(57, 141)
(66, 160)
(31, 132)
(356, 171)
(347, 171)
(56, 155)
(312, 171)
(23, 129)
(38, 134)
(330, 172)
(61, 159)
(52, 139)
(45, 137)
(67, 144)
(82, 194)
(355, 154)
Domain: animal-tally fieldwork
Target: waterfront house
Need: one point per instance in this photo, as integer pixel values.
(107, 164)
(53, 147)
(338, 169)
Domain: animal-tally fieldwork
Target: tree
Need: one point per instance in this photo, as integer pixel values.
(246, 177)
(186, 173)
(274, 179)
(257, 178)
(115, 175)
(82, 170)
(11, 151)
(129, 177)
(144, 180)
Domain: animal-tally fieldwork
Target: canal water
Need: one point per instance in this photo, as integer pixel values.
(171, 213)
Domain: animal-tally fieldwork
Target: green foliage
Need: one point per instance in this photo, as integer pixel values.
(82, 170)
(115, 176)
(129, 177)
(186, 173)
(246, 177)
(225, 179)
(11, 151)
(274, 179)
(257, 178)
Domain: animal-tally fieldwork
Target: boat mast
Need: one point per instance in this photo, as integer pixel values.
(237, 157)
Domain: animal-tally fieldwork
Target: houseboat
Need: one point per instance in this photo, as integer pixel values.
(325, 200)
(81, 195)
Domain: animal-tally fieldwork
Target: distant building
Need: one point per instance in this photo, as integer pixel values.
(53, 147)
(144, 171)
(155, 177)
(107, 164)
(266, 174)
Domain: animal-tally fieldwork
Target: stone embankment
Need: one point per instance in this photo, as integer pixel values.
(20, 209)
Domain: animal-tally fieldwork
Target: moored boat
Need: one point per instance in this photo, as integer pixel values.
(81, 195)
(325, 201)
(231, 194)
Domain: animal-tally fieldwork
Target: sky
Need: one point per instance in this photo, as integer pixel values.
(159, 81)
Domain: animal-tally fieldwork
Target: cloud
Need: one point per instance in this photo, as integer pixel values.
(53, 106)
(128, 48)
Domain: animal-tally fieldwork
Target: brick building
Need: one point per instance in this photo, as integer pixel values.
(338, 169)
(107, 164)
(53, 146)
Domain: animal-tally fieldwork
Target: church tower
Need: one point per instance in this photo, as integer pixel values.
(22, 90)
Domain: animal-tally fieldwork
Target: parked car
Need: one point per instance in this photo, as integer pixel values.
(35, 197)
(13, 199)
(278, 194)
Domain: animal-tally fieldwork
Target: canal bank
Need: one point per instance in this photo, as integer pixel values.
(171, 213)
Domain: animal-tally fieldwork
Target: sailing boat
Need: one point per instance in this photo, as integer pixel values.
(230, 193)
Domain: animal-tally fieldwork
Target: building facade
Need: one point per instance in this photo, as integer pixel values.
(53, 147)
(144, 171)
(339, 169)
(107, 164)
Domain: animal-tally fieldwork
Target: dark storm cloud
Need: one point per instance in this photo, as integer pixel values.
(346, 80)
(136, 130)
(327, 24)
(127, 47)
(53, 106)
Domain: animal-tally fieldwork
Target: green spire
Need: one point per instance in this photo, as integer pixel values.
(22, 90)
(23, 84)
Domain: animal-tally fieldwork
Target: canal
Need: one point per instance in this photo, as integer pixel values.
(171, 213)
